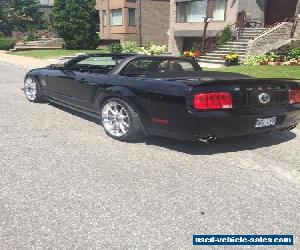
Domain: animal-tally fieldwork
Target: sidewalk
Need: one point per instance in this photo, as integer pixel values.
(26, 62)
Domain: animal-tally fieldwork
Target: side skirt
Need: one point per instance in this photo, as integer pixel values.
(94, 115)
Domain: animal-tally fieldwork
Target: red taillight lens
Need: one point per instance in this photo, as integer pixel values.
(218, 100)
(294, 96)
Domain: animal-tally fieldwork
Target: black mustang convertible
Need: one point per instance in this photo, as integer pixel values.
(137, 95)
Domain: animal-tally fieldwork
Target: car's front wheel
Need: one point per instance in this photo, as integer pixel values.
(121, 121)
(32, 90)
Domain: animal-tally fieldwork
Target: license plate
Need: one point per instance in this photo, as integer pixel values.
(265, 122)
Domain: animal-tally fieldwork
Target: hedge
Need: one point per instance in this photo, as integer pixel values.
(7, 43)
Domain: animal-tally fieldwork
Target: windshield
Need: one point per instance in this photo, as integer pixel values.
(145, 66)
(96, 64)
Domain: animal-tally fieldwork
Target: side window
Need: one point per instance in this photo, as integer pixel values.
(139, 67)
(175, 66)
(104, 61)
(95, 64)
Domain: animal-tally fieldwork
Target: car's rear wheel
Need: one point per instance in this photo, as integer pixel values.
(121, 121)
(32, 90)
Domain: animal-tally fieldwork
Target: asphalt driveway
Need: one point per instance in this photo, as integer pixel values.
(64, 184)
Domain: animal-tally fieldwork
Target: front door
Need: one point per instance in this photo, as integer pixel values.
(279, 10)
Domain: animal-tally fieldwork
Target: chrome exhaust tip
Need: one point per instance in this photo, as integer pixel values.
(208, 139)
(292, 127)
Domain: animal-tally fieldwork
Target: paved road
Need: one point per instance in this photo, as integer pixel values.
(65, 185)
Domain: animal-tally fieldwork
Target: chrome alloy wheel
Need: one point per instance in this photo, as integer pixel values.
(30, 89)
(115, 119)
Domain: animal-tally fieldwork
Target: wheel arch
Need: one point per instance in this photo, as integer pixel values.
(126, 95)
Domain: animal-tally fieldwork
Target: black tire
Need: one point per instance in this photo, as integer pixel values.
(135, 130)
(38, 96)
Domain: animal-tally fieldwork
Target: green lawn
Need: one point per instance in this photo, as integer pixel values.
(44, 54)
(264, 71)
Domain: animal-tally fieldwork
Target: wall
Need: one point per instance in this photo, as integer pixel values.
(154, 25)
(256, 8)
(155, 21)
(118, 33)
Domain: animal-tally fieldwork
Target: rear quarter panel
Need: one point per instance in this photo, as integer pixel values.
(152, 98)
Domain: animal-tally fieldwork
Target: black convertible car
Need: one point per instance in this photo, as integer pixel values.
(137, 95)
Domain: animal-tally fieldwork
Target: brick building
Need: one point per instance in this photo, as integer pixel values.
(187, 17)
(135, 20)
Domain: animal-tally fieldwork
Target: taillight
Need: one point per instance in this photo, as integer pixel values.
(294, 96)
(208, 101)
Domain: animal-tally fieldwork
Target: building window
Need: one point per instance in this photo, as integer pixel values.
(195, 11)
(104, 18)
(219, 10)
(97, 17)
(116, 17)
(131, 17)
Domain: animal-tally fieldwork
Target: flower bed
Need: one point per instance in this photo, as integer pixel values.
(192, 53)
(279, 57)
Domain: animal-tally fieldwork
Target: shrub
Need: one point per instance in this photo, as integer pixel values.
(294, 54)
(7, 43)
(115, 48)
(74, 20)
(285, 50)
(153, 49)
(20, 15)
(254, 60)
(274, 57)
(225, 36)
(32, 34)
(129, 47)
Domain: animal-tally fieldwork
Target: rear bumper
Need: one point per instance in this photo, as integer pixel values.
(219, 124)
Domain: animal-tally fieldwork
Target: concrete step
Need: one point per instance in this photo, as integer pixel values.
(217, 54)
(219, 62)
(249, 33)
(33, 44)
(216, 57)
(254, 29)
(44, 39)
(246, 37)
(239, 43)
(245, 40)
(240, 52)
(229, 49)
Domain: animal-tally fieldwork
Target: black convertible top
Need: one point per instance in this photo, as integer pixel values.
(125, 58)
(206, 75)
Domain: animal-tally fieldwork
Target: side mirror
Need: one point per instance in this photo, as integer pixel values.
(67, 64)
(57, 66)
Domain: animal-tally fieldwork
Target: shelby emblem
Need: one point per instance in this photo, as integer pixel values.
(264, 98)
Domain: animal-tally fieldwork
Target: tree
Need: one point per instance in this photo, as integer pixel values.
(20, 15)
(75, 22)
